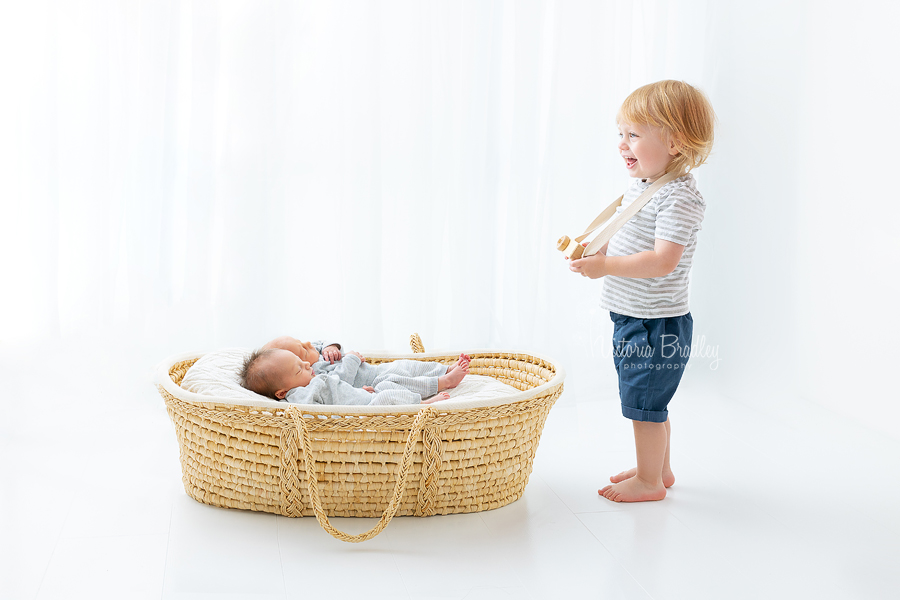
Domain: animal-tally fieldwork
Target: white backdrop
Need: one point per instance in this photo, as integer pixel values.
(186, 175)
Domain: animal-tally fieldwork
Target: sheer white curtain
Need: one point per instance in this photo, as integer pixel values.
(185, 175)
(233, 170)
(240, 169)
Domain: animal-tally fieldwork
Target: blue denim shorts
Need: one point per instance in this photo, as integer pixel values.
(650, 357)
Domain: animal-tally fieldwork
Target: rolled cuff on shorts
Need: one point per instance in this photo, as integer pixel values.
(650, 356)
(647, 416)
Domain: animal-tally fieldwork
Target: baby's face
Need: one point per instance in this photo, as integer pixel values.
(289, 371)
(303, 350)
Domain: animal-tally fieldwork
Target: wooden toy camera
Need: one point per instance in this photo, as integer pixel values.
(572, 249)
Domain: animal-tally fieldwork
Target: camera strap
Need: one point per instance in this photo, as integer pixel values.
(623, 217)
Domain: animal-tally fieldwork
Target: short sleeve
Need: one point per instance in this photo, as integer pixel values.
(679, 216)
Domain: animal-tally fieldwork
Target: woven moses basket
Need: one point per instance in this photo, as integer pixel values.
(361, 461)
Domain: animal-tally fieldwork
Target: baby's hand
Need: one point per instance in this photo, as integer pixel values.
(357, 354)
(369, 389)
(331, 354)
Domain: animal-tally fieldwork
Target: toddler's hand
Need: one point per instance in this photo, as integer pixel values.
(369, 389)
(358, 355)
(593, 266)
(331, 354)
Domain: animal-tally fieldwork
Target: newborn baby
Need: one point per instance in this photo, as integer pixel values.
(287, 369)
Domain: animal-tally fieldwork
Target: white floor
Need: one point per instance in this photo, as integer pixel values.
(765, 506)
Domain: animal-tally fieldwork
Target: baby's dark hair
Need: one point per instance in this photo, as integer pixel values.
(255, 377)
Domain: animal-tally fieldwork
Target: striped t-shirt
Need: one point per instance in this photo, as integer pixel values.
(673, 214)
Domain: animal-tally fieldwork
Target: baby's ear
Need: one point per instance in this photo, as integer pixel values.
(280, 394)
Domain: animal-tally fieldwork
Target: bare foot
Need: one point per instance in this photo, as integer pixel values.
(463, 358)
(436, 398)
(455, 375)
(668, 478)
(633, 490)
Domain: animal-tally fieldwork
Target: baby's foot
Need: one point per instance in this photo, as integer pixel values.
(633, 490)
(668, 478)
(436, 398)
(454, 376)
(463, 358)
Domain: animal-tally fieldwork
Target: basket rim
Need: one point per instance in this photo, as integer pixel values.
(162, 379)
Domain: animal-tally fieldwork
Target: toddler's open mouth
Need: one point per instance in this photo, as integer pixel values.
(630, 162)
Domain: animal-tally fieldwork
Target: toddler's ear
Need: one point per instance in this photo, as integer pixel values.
(675, 145)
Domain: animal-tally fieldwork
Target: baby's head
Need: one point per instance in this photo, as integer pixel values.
(680, 113)
(273, 372)
(304, 350)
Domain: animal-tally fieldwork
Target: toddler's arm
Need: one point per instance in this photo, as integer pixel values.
(658, 262)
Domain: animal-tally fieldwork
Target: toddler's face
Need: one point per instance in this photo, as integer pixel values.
(289, 371)
(646, 150)
(303, 350)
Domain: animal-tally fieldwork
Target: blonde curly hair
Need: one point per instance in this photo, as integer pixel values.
(681, 111)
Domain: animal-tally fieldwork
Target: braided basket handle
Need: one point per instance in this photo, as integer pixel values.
(415, 342)
(313, 486)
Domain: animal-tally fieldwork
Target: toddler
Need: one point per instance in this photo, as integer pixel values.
(663, 127)
(282, 370)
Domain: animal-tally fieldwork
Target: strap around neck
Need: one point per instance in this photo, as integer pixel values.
(623, 217)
